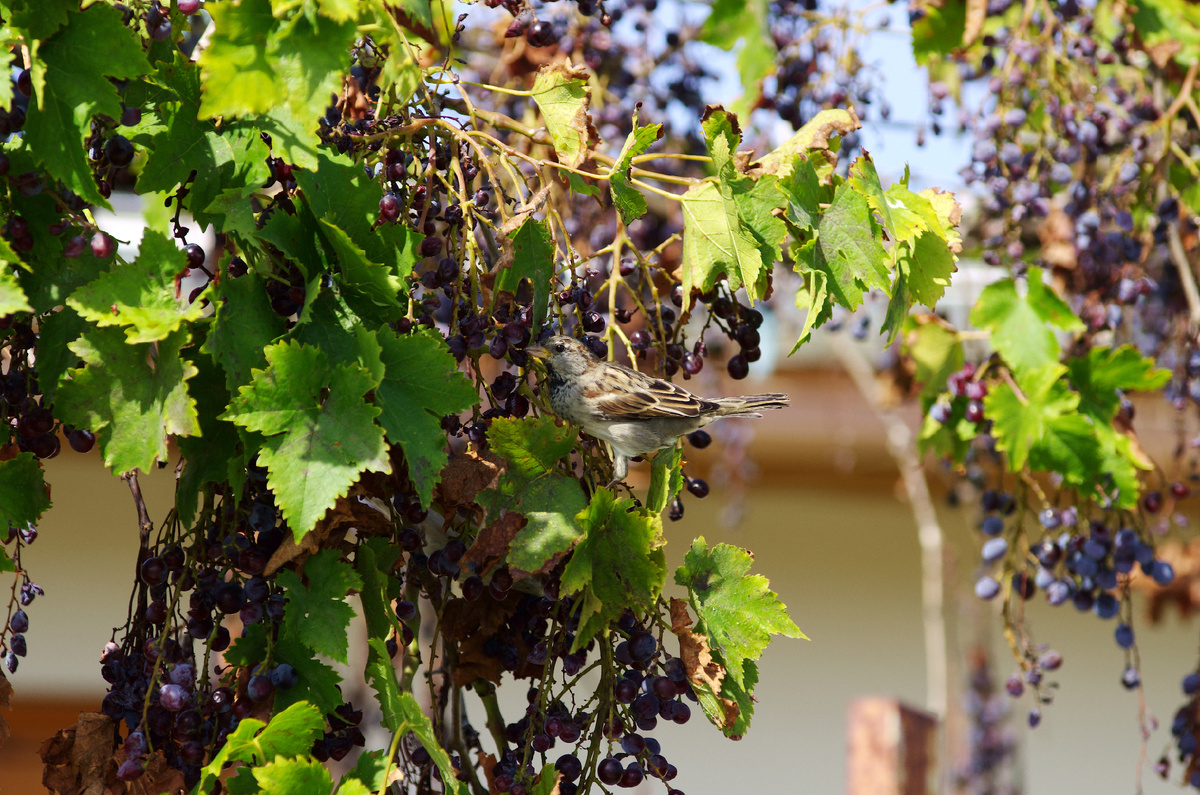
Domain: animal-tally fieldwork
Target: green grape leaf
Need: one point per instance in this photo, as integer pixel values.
(902, 223)
(939, 30)
(928, 268)
(23, 494)
(1104, 373)
(421, 384)
(937, 352)
(343, 196)
(370, 768)
(533, 486)
(742, 694)
(1021, 324)
(142, 296)
(716, 244)
(812, 295)
(666, 479)
(1041, 426)
(254, 60)
(215, 455)
(55, 333)
(320, 431)
(617, 564)
(373, 560)
(736, 610)
(185, 146)
(6, 563)
(291, 732)
(416, 721)
(297, 776)
(1168, 29)
(628, 199)
(804, 195)
(381, 676)
(72, 84)
(242, 329)
(40, 18)
(329, 324)
(12, 296)
(317, 614)
(897, 308)
(547, 781)
(133, 396)
(533, 259)
(316, 681)
(848, 248)
(746, 21)
(372, 290)
(50, 278)
(562, 95)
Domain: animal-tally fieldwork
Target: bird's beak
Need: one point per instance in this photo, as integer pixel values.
(537, 352)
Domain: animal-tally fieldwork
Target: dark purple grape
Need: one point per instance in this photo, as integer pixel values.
(472, 588)
(699, 439)
(632, 776)
(697, 487)
(195, 255)
(540, 34)
(130, 769)
(389, 208)
(642, 646)
(624, 691)
(230, 598)
(738, 367)
(74, 247)
(284, 676)
(131, 117)
(569, 766)
(154, 571)
(119, 151)
(173, 697)
(675, 510)
(24, 83)
(609, 771)
(259, 688)
(102, 246)
(19, 621)
(431, 246)
(640, 340)
(406, 611)
(81, 441)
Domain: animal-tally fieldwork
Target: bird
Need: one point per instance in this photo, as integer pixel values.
(635, 413)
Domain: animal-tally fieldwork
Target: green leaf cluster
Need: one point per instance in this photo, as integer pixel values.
(738, 613)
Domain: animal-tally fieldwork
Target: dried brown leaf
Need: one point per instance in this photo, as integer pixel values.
(702, 670)
(465, 476)
(488, 763)
(462, 619)
(492, 542)
(474, 664)
(76, 758)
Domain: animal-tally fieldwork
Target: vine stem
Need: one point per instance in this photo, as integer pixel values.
(903, 449)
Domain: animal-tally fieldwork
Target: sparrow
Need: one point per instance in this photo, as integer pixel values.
(637, 414)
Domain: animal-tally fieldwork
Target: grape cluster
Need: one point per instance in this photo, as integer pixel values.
(1087, 563)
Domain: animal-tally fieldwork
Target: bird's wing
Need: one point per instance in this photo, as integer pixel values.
(622, 394)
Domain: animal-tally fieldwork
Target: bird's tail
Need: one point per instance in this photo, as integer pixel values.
(750, 405)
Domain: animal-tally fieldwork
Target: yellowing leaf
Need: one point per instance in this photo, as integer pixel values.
(562, 95)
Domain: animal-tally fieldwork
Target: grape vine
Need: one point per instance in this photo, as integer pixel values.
(402, 201)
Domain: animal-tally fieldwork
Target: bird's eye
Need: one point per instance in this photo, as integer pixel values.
(560, 347)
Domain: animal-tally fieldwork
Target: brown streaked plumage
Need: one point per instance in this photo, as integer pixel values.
(637, 414)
